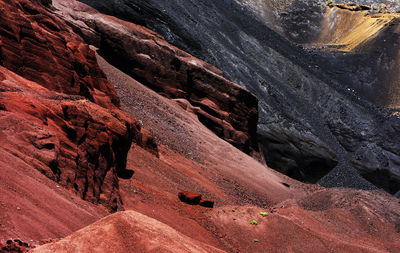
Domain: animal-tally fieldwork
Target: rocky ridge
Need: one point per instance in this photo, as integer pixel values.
(70, 127)
(224, 107)
(77, 139)
(301, 128)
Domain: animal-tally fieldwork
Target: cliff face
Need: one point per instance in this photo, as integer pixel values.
(227, 109)
(66, 147)
(78, 144)
(61, 115)
(58, 110)
(301, 128)
(36, 45)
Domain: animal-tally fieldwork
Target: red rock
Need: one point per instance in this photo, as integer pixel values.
(73, 141)
(128, 231)
(227, 109)
(190, 198)
(41, 47)
(66, 119)
(14, 245)
(146, 140)
(207, 203)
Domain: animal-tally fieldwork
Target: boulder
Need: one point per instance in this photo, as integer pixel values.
(191, 198)
(207, 203)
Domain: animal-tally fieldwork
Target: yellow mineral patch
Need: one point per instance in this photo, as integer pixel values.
(345, 29)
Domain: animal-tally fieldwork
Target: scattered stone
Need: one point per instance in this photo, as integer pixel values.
(207, 203)
(14, 245)
(190, 198)
(193, 198)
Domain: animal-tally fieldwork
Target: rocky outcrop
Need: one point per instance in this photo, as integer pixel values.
(14, 245)
(42, 48)
(224, 107)
(306, 97)
(78, 144)
(58, 111)
(351, 6)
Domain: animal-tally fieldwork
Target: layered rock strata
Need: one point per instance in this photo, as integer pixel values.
(227, 109)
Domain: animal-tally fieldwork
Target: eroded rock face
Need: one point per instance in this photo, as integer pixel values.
(58, 111)
(71, 140)
(42, 48)
(306, 103)
(224, 107)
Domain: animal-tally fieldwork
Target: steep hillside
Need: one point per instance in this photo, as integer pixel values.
(114, 140)
(302, 130)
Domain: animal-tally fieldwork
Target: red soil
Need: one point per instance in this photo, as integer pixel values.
(308, 222)
(39, 126)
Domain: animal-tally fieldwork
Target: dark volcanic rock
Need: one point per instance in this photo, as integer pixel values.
(224, 107)
(309, 118)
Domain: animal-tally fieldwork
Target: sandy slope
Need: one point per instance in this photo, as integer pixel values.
(300, 218)
(127, 231)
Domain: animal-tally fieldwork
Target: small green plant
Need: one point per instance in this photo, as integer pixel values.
(263, 214)
(329, 2)
(253, 222)
(256, 240)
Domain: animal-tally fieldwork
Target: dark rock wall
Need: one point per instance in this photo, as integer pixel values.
(227, 109)
(299, 101)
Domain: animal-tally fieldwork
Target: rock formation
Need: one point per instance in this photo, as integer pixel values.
(301, 128)
(224, 107)
(72, 153)
(69, 125)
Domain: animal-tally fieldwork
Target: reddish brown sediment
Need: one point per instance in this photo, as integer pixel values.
(60, 146)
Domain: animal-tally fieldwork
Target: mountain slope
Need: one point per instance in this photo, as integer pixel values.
(301, 128)
(72, 152)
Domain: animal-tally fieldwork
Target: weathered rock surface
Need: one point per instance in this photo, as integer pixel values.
(77, 143)
(359, 48)
(42, 48)
(207, 203)
(299, 90)
(14, 245)
(191, 198)
(53, 121)
(194, 198)
(224, 107)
